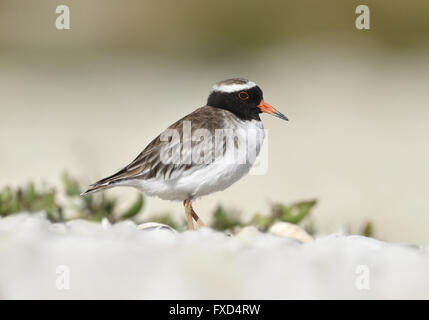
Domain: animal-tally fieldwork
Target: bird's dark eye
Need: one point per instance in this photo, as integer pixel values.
(243, 95)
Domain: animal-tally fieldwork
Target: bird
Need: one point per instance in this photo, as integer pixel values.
(204, 152)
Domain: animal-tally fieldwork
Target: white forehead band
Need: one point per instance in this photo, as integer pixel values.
(232, 87)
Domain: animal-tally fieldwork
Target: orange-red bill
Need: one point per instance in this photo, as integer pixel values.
(265, 107)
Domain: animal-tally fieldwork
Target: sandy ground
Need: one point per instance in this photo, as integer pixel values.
(88, 260)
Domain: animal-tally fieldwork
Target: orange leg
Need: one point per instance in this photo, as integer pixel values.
(190, 213)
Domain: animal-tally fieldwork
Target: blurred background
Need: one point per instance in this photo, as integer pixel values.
(89, 99)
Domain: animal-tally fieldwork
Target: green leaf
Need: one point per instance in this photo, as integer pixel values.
(295, 213)
(14, 204)
(5, 201)
(30, 193)
(368, 230)
(70, 185)
(223, 220)
(262, 221)
(134, 209)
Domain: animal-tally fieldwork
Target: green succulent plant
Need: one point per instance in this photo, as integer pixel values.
(31, 200)
(223, 220)
(95, 207)
(92, 207)
(293, 213)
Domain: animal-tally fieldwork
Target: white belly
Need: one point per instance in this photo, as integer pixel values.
(213, 177)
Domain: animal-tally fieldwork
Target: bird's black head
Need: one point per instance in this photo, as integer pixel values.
(242, 97)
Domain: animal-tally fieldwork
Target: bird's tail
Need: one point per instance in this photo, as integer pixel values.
(96, 187)
(115, 179)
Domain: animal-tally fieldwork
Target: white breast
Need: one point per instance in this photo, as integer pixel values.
(218, 175)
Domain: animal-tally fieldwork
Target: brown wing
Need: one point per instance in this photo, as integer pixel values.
(151, 162)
